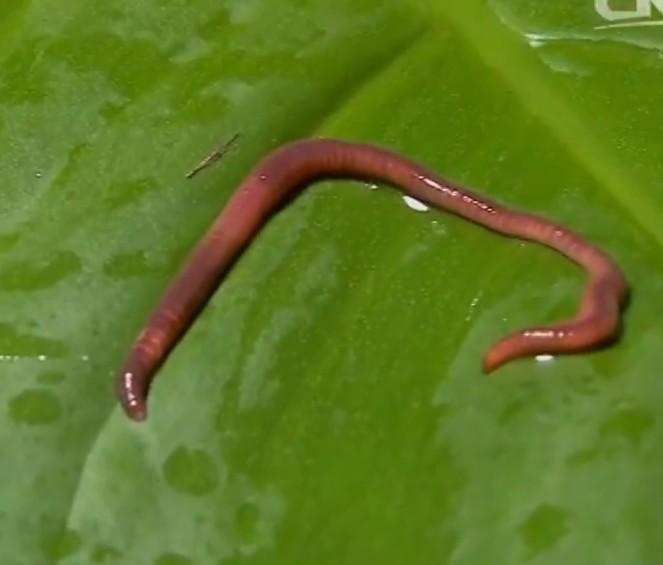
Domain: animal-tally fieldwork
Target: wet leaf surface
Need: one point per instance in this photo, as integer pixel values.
(328, 407)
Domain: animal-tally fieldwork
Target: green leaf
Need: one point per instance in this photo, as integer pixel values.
(328, 406)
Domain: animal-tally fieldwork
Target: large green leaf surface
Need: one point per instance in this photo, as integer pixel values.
(328, 406)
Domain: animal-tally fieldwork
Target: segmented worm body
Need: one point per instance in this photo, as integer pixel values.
(287, 171)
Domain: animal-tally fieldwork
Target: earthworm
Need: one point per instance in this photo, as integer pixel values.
(284, 173)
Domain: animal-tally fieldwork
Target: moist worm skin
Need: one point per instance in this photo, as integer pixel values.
(286, 172)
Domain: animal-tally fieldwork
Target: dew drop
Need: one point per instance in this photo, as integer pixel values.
(415, 204)
(35, 407)
(191, 471)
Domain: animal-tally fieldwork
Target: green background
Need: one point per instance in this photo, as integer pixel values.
(328, 407)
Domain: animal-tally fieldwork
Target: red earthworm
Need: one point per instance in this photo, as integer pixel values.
(287, 171)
